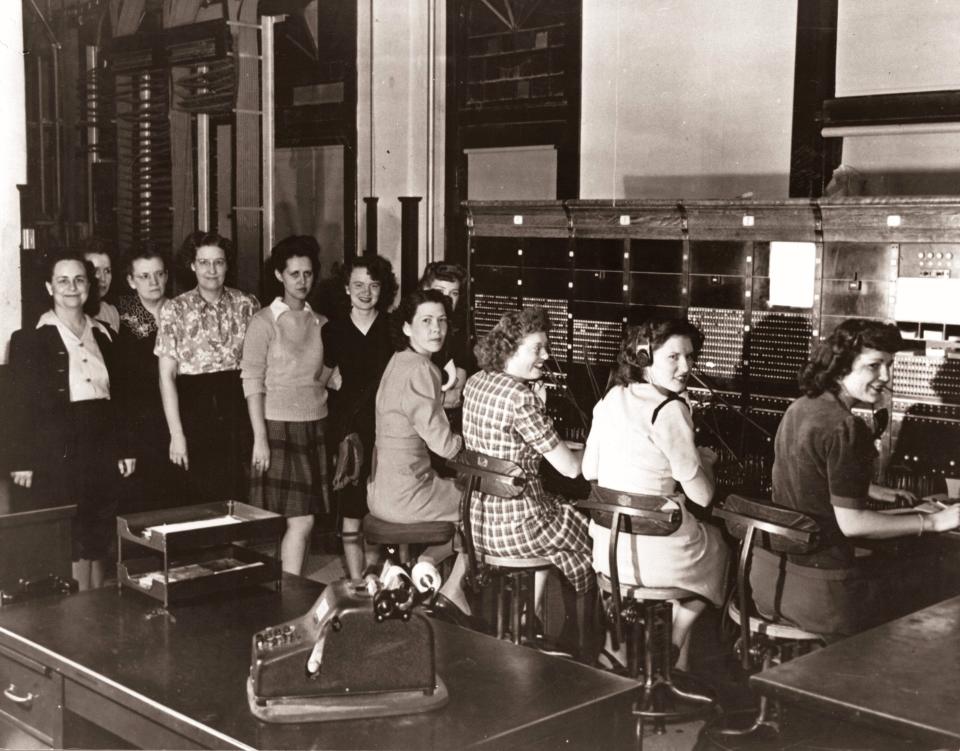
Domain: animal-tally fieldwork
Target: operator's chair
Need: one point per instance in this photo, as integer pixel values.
(648, 611)
(764, 642)
(514, 578)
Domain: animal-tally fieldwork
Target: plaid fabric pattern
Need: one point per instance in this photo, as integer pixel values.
(503, 418)
(296, 483)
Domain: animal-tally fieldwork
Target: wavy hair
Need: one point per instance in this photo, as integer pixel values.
(833, 358)
(640, 342)
(294, 246)
(443, 272)
(501, 342)
(380, 270)
(200, 239)
(92, 305)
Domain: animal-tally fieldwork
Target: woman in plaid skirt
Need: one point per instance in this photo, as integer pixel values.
(504, 416)
(284, 381)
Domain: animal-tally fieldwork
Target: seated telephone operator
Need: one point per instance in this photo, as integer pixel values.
(504, 416)
(642, 442)
(823, 465)
(410, 423)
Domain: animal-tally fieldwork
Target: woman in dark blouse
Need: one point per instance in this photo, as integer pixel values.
(157, 483)
(824, 462)
(358, 343)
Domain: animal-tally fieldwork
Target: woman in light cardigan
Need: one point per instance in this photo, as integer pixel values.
(284, 382)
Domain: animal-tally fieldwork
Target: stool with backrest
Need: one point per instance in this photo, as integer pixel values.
(763, 641)
(397, 537)
(514, 578)
(647, 610)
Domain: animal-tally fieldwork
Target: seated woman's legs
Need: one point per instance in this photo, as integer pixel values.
(685, 612)
(452, 588)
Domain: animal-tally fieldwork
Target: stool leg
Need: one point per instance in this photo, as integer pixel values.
(501, 606)
(529, 601)
(516, 603)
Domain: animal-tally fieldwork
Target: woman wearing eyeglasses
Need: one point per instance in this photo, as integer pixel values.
(156, 483)
(824, 462)
(200, 344)
(66, 439)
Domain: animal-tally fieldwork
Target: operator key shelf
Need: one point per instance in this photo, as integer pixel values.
(195, 551)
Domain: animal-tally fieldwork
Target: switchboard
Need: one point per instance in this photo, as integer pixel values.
(763, 281)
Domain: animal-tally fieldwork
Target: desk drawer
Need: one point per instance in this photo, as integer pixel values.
(30, 695)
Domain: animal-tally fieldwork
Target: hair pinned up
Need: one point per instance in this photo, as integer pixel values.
(640, 342)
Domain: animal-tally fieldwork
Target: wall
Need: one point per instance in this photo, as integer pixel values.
(393, 157)
(687, 98)
(893, 46)
(13, 158)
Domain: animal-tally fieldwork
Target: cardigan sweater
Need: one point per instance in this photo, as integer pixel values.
(40, 407)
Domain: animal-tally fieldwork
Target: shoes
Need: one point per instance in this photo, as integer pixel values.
(444, 609)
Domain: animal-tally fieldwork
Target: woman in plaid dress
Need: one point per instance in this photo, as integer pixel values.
(505, 417)
(284, 381)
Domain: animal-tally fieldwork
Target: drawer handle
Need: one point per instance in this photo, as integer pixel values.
(23, 700)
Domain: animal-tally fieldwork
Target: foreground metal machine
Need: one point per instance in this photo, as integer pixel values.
(360, 651)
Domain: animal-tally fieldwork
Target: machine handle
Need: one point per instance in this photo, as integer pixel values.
(22, 700)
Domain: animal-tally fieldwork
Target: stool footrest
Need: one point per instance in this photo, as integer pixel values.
(517, 563)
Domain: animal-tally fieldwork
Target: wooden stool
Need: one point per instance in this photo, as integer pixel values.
(393, 535)
(516, 576)
(764, 642)
(648, 611)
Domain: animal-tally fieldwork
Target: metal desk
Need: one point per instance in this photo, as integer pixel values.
(155, 681)
(903, 676)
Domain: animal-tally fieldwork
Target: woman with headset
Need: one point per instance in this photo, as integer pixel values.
(641, 441)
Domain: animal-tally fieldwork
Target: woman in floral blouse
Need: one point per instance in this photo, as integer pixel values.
(200, 343)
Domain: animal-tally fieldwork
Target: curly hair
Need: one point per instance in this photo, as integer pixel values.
(407, 311)
(640, 342)
(92, 305)
(380, 270)
(833, 358)
(200, 239)
(443, 272)
(501, 342)
(143, 253)
(294, 246)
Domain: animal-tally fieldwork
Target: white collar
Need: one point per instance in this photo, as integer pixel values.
(51, 319)
(278, 306)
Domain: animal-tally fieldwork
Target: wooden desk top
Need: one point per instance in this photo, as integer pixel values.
(903, 676)
(189, 672)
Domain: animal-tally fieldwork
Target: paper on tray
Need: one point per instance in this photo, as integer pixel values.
(166, 529)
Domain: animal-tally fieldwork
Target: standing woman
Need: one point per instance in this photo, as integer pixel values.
(157, 483)
(70, 443)
(641, 441)
(358, 343)
(199, 343)
(823, 464)
(411, 423)
(284, 381)
(505, 418)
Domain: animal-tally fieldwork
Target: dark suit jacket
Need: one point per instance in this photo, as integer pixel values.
(40, 390)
